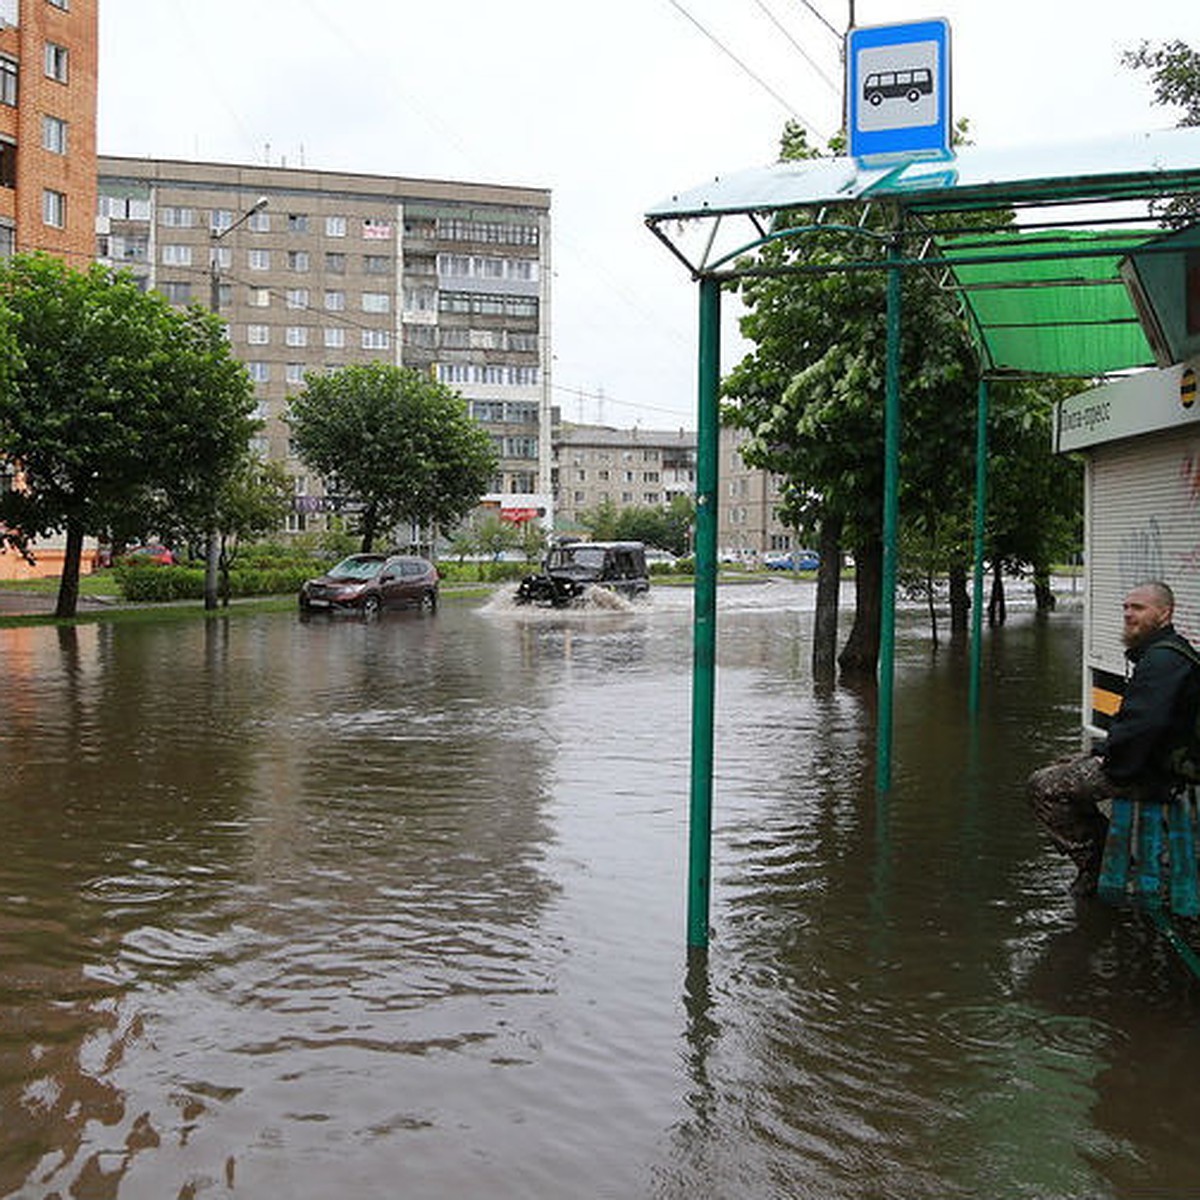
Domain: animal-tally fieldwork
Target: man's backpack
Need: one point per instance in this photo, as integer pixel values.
(1184, 761)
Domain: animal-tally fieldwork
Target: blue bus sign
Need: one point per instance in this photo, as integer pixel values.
(898, 90)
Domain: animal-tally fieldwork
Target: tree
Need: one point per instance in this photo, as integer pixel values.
(121, 411)
(810, 396)
(1175, 69)
(254, 501)
(400, 443)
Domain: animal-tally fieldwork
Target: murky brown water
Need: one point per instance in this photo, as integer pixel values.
(314, 909)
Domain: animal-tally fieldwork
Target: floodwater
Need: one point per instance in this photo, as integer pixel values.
(397, 909)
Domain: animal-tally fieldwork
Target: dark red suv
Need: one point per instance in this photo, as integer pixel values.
(368, 583)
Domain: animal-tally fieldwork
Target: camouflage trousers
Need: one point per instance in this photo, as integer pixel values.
(1065, 800)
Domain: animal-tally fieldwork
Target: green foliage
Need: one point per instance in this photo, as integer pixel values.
(401, 443)
(1175, 69)
(125, 415)
(148, 584)
(667, 528)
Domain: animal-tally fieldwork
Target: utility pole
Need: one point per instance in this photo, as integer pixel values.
(212, 548)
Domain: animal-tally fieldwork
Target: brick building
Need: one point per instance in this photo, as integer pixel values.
(48, 56)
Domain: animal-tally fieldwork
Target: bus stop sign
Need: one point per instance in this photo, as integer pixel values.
(898, 90)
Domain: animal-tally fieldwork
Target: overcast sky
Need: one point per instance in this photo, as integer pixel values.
(614, 106)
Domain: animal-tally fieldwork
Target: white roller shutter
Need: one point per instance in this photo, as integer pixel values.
(1143, 522)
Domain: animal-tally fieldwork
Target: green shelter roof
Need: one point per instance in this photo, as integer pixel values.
(1033, 256)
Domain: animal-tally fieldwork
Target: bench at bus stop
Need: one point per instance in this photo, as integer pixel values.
(1150, 864)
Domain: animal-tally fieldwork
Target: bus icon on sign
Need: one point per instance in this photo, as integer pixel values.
(896, 85)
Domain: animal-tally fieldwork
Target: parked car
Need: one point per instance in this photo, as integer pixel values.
(151, 552)
(367, 583)
(795, 560)
(571, 568)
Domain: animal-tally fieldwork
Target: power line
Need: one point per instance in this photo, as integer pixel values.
(834, 87)
(812, 8)
(762, 83)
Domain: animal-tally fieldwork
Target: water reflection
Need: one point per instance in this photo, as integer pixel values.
(391, 907)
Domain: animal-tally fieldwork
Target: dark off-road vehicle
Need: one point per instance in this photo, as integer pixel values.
(569, 569)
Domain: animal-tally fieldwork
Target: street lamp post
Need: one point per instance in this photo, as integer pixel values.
(212, 550)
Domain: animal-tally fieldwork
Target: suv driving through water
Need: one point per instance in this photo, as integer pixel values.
(570, 568)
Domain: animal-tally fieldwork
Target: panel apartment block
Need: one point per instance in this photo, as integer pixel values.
(597, 464)
(338, 268)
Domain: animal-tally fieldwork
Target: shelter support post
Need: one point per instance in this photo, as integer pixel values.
(891, 513)
(981, 482)
(704, 617)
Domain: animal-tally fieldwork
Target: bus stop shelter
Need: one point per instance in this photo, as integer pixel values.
(1035, 245)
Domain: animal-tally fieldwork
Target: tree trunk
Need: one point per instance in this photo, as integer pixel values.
(960, 601)
(997, 608)
(370, 519)
(860, 655)
(1043, 593)
(825, 619)
(68, 588)
(931, 601)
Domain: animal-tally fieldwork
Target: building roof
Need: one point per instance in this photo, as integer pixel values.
(571, 434)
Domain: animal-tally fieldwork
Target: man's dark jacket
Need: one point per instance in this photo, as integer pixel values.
(1157, 715)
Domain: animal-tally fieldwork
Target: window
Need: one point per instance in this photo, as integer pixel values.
(376, 339)
(258, 335)
(56, 62)
(174, 255)
(376, 302)
(335, 338)
(377, 264)
(294, 372)
(297, 297)
(259, 298)
(259, 222)
(376, 229)
(335, 226)
(8, 240)
(335, 264)
(259, 260)
(220, 219)
(176, 218)
(54, 208)
(65, 5)
(335, 301)
(260, 372)
(223, 257)
(297, 260)
(175, 292)
(8, 163)
(54, 135)
(297, 222)
(297, 335)
(8, 81)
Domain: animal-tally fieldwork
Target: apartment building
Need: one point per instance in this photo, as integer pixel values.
(48, 57)
(748, 524)
(47, 161)
(315, 270)
(597, 464)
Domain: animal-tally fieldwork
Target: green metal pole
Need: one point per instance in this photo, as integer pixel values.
(981, 482)
(704, 614)
(891, 512)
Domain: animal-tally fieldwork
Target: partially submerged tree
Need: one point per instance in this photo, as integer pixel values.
(121, 411)
(397, 441)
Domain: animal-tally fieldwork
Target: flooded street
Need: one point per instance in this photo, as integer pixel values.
(396, 908)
